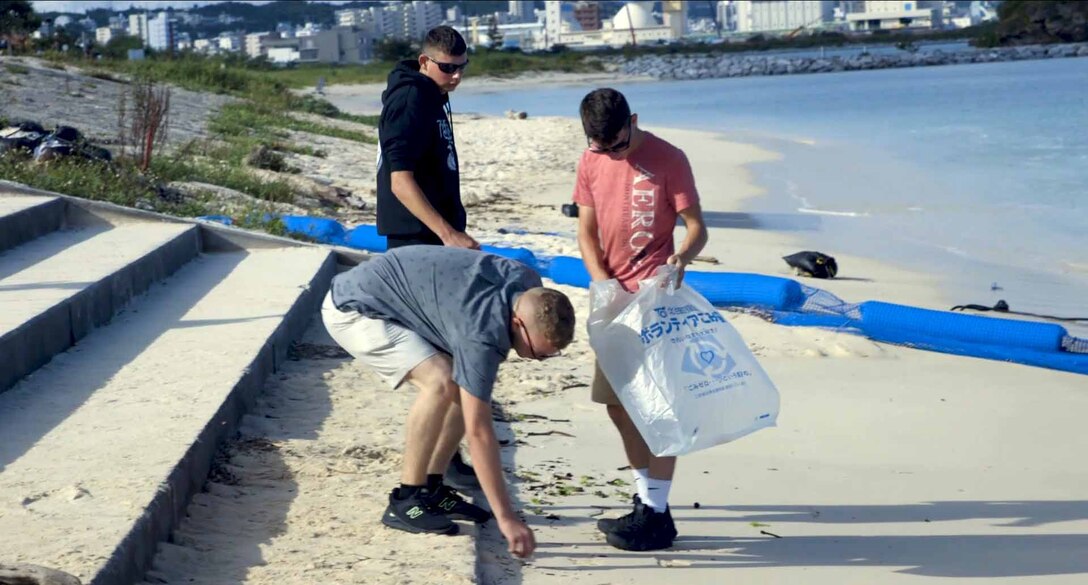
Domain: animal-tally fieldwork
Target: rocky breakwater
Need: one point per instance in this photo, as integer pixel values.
(743, 65)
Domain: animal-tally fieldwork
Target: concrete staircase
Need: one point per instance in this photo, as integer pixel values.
(130, 346)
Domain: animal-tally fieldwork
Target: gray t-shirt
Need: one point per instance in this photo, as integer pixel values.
(459, 300)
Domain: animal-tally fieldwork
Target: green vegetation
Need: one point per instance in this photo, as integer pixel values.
(1022, 22)
(16, 69)
(119, 183)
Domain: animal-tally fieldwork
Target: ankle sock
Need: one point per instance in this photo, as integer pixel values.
(641, 475)
(434, 480)
(657, 494)
(406, 491)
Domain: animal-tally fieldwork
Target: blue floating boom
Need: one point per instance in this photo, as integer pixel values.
(790, 303)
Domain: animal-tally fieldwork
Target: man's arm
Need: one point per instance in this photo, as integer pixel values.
(484, 449)
(589, 242)
(693, 243)
(407, 190)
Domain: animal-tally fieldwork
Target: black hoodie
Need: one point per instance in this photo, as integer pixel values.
(416, 135)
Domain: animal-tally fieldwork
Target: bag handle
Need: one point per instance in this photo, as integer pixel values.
(665, 276)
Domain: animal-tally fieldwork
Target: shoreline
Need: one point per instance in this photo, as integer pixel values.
(726, 182)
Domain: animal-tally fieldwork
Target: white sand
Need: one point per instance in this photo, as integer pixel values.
(889, 464)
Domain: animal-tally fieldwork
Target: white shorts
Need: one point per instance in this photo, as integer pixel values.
(383, 346)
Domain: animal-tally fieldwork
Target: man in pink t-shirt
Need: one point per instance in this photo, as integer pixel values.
(631, 187)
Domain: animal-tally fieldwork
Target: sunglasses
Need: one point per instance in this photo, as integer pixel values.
(532, 350)
(450, 68)
(617, 147)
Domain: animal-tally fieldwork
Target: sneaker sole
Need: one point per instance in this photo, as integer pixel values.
(622, 545)
(396, 523)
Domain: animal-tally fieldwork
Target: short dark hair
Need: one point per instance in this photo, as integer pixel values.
(555, 315)
(604, 114)
(446, 40)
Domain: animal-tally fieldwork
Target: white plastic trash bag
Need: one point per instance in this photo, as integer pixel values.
(684, 375)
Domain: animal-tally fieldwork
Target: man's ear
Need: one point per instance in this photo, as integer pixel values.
(422, 61)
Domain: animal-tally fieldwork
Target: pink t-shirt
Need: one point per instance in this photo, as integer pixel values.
(636, 201)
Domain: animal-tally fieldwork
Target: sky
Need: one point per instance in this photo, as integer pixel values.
(84, 5)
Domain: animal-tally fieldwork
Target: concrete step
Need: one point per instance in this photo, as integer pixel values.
(101, 449)
(58, 287)
(26, 217)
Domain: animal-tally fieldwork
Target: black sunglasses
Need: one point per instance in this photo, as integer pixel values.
(532, 350)
(617, 147)
(449, 68)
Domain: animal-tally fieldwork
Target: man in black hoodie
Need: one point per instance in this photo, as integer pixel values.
(419, 191)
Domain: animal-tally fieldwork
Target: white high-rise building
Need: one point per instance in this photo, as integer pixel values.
(137, 26)
(161, 32)
(421, 17)
(521, 11)
(553, 22)
(403, 20)
(727, 15)
(782, 15)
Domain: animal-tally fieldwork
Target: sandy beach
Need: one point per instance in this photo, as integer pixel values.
(889, 465)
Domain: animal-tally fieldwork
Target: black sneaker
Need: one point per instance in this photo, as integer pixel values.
(414, 514)
(460, 475)
(446, 500)
(607, 525)
(647, 530)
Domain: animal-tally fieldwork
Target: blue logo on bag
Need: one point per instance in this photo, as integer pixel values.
(707, 358)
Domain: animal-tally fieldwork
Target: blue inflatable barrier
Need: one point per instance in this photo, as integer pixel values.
(737, 289)
(568, 271)
(325, 231)
(523, 255)
(365, 237)
(788, 302)
(882, 319)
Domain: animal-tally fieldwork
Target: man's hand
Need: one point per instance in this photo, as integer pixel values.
(519, 537)
(460, 240)
(678, 261)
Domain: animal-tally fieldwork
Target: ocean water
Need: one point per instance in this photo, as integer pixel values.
(977, 174)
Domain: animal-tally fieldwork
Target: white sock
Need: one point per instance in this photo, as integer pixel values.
(641, 477)
(657, 494)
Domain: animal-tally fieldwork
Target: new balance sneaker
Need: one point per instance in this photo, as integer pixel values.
(607, 525)
(646, 530)
(415, 514)
(449, 502)
(460, 475)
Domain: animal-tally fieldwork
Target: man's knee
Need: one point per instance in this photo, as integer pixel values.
(435, 375)
(617, 414)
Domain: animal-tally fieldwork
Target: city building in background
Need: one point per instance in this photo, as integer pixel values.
(161, 32)
(588, 15)
(521, 11)
(407, 20)
(104, 34)
(340, 44)
(756, 16)
(896, 14)
(137, 26)
(282, 51)
(634, 24)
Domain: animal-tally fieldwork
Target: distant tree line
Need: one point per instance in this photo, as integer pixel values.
(1026, 22)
